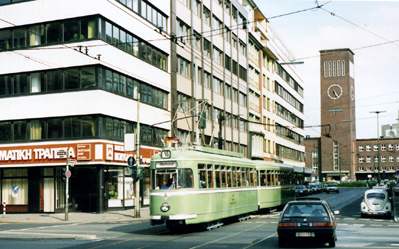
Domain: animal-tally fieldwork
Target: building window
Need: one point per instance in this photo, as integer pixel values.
(183, 67)
(368, 147)
(206, 17)
(391, 159)
(217, 55)
(375, 147)
(390, 147)
(207, 79)
(383, 159)
(361, 159)
(234, 41)
(361, 148)
(383, 147)
(368, 159)
(343, 68)
(207, 47)
(82, 29)
(183, 31)
(197, 8)
(197, 41)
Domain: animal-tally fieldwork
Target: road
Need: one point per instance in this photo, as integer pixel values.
(258, 232)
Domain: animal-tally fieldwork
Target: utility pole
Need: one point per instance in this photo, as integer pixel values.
(220, 139)
(378, 144)
(137, 199)
(340, 169)
(66, 186)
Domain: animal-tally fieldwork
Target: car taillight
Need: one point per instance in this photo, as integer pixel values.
(288, 224)
(323, 224)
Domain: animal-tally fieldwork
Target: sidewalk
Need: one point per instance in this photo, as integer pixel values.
(75, 217)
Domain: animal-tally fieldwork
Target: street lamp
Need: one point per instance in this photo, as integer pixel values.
(336, 110)
(378, 145)
(291, 63)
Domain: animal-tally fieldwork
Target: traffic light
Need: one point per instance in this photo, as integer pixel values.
(202, 121)
(139, 174)
(133, 171)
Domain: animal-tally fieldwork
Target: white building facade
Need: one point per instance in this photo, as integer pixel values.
(71, 73)
(74, 75)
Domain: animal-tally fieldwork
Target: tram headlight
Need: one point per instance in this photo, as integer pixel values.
(165, 207)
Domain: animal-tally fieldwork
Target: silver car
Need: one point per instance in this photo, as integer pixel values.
(376, 202)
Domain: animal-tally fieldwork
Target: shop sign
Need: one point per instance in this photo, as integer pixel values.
(55, 153)
(34, 154)
(84, 152)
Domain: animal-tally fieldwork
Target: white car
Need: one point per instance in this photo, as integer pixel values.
(376, 202)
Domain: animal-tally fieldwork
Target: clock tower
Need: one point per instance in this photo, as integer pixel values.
(338, 123)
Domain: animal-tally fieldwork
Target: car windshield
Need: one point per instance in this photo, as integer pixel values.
(305, 210)
(376, 196)
(300, 187)
(332, 185)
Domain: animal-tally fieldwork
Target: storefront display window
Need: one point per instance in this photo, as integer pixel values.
(15, 188)
(120, 188)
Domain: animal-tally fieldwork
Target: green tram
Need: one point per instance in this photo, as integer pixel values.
(204, 185)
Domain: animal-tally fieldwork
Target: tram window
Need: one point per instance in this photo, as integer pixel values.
(234, 176)
(249, 177)
(238, 177)
(243, 177)
(202, 175)
(269, 178)
(263, 180)
(254, 177)
(228, 176)
(217, 174)
(223, 176)
(277, 178)
(209, 176)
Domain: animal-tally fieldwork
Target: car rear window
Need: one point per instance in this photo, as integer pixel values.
(305, 210)
(376, 196)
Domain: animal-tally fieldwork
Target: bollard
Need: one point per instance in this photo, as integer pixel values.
(4, 209)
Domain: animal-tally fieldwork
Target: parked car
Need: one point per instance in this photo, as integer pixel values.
(314, 188)
(310, 190)
(376, 202)
(332, 187)
(301, 190)
(307, 220)
(396, 189)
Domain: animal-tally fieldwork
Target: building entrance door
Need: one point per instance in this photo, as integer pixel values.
(84, 188)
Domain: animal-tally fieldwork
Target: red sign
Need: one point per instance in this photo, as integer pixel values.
(84, 152)
(45, 153)
(68, 173)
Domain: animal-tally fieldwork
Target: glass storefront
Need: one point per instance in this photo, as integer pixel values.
(93, 188)
(119, 186)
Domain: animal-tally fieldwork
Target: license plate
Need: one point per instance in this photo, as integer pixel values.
(305, 234)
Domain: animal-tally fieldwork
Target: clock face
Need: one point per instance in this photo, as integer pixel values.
(334, 91)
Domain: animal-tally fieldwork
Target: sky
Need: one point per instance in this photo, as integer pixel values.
(369, 28)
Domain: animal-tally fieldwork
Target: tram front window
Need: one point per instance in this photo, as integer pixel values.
(173, 179)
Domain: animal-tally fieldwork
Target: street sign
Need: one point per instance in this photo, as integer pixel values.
(131, 161)
(72, 162)
(68, 173)
(61, 153)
